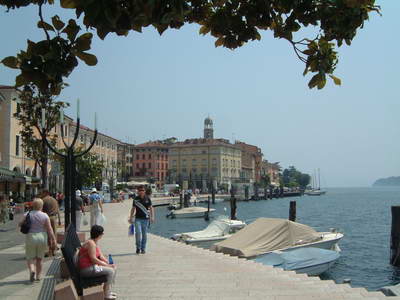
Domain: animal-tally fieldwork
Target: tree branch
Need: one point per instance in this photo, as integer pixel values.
(41, 19)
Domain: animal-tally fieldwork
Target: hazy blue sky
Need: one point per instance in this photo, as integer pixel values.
(149, 87)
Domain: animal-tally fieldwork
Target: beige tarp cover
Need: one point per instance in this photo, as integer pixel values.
(266, 234)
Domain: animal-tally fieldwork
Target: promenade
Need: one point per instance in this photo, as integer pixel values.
(171, 270)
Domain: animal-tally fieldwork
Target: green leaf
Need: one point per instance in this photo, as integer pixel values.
(11, 62)
(45, 26)
(336, 80)
(314, 81)
(321, 83)
(57, 23)
(161, 28)
(219, 42)
(204, 30)
(83, 42)
(71, 30)
(68, 4)
(88, 58)
(20, 80)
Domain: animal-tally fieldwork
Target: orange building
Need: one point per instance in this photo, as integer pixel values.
(150, 161)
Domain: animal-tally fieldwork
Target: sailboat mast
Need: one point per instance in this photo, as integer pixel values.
(319, 179)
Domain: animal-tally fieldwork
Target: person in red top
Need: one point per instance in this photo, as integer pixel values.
(92, 262)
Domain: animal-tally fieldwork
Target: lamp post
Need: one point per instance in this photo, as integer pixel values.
(69, 158)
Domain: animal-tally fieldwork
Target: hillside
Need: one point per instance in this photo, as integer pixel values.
(390, 181)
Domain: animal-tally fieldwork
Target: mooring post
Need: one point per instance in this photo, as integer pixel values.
(207, 214)
(181, 199)
(292, 211)
(246, 193)
(232, 202)
(213, 194)
(395, 237)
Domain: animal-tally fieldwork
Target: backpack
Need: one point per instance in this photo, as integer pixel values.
(26, 225)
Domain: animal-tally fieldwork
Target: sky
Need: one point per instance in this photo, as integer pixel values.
(146, 87)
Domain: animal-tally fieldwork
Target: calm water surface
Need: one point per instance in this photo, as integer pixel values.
(362, 214)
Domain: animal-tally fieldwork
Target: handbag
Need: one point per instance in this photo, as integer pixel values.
(26, 225)
(85, 220)
(131, 229)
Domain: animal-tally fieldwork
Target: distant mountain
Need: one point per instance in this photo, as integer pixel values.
(390, 181)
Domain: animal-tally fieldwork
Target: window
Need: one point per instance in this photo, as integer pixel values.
(149, 165)
(137, 156)
(149, 156)
(17, 145)
(174, 162)
(158, 165)
(143, 156)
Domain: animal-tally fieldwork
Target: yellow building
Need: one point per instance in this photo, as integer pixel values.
(202, 161)
(12, 154)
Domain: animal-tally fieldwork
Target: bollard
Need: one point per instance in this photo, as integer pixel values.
(395, 237)
(246, 193)
(292, 211)
(213, 195)
(181, 200)
(207, 214)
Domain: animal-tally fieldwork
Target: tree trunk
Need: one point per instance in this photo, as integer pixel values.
(44, 165)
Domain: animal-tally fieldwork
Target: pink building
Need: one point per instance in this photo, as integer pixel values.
(150, 160)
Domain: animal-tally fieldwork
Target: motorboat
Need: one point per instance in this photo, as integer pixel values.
(218, 230)
(265, 235)
(310, 261)
(190, 212)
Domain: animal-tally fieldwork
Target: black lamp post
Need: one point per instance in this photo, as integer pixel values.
(70, 167)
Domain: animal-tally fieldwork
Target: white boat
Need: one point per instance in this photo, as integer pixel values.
(269, 234)
(218, 230)
(315, 193)
(190, 212)
(310, 261)
(316, 186)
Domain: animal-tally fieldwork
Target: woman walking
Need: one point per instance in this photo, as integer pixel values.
(92, 262)
(36, 239)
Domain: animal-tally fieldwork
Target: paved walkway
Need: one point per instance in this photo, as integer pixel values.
(171, 270)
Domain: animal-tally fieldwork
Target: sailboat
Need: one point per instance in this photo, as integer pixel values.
(316, 189)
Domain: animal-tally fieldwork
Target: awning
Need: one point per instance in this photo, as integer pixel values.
(10, 176)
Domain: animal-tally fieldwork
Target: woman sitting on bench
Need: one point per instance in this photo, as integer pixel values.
(92, 262)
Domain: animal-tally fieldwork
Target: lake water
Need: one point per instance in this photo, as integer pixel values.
(362, 214)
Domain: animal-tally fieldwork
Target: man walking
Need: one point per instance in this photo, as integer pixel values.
(51, 208)
(96, 207)
(143, 212)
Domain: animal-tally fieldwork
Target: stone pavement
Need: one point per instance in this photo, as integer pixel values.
(171, 270)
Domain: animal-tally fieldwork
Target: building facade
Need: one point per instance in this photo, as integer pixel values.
(150, 162)
(272, 170)
(201, 161)
(12, 155)
(125, 161)
(251, 162)
(105, 147)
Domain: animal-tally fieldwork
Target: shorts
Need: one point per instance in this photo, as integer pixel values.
(35, 245)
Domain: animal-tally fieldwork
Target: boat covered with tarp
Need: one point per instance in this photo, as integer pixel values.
(268, 234)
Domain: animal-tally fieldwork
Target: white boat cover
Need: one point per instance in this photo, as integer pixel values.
(214, 229)
(267, 234)
(299, 258)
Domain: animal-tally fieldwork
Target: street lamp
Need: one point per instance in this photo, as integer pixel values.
(69, 163)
